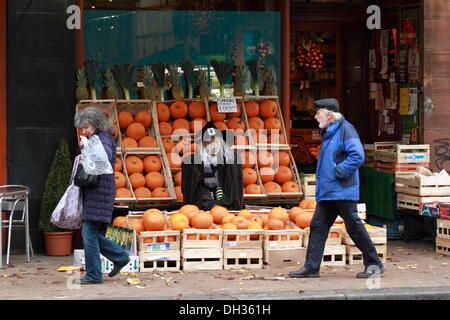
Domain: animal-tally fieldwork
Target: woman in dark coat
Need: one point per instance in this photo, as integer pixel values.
(98, 201)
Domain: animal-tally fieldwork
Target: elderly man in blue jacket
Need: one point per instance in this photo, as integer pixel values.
(337, 191)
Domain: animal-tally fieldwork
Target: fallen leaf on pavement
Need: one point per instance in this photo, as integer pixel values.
(133, 281)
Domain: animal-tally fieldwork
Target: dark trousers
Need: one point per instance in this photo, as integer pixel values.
(324, 217)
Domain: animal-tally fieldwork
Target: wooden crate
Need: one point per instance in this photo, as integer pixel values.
(202, 259)
(402, 153)
(248, 196)
(242, 239)
(413, 202)
(243, 258)
(443, 229)
(399, 168)
(135, 106)
(354, 255)
(284, 239)
(377, 235)
(125, 201)
(204, 238)
(309, 185)
(334, 255)
(423, 186)
(159, 241)
(168, 180)
(160, 261)
(331, 241)
(443, 246)
(284, 258)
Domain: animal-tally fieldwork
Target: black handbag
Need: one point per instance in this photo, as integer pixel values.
(82, 179)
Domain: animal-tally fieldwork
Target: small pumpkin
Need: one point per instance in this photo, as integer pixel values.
(178, 109)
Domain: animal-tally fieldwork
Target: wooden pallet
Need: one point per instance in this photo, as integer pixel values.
(331, 240)
(443, 229)
(243, 258)
(423, 186)
(443, 246)
(334, 255)
(202, 259)
(414, 202)
(242, 239)
(284, 239)
(402, 153)
(309, 185)
(377, 235)
(160, 261)
(203, 238)
(354, 255)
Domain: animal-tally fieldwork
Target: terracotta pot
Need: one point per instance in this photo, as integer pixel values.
(58, 243)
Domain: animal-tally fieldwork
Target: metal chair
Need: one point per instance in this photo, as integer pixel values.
(14, 198)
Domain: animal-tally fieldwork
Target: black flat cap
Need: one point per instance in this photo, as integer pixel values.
(329, 103)
(210, 130)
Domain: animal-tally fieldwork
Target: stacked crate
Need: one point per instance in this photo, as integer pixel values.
(309, 185)
(201, 249)
(443, 237)
(242, 249)
(334, 253)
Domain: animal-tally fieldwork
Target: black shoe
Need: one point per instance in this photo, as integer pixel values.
(118, 266)
(303, 273)
(367, 274)
(86, 281)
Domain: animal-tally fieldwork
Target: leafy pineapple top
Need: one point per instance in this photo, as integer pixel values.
(81, 77)
(174, 75)
(108, 78)
(148, 76)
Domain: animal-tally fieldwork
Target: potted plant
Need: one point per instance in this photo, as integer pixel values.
(58, 242)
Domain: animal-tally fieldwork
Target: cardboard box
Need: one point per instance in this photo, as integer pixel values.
(282, 258)
(107, 265)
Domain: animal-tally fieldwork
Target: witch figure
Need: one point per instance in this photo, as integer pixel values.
(213, 174)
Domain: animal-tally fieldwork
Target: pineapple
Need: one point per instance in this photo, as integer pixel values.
(202, 81)
(223, 70)
(174, 77)
(123, 74)
(270, 81)
(150, 88)
(81, 91)
(91, 67)
(110, 85)
(241, 81)
(254, 66)
(159, 69)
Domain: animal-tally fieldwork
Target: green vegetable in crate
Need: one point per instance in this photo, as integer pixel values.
(223, 70)
(187, 65)
(81, 91)
(110, 85)
(123, 73)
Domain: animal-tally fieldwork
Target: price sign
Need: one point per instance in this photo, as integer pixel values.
(226, 105)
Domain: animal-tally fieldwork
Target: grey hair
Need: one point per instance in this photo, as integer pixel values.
(334, 115)
(95, 117)
(225, 155)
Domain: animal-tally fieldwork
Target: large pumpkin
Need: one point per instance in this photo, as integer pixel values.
(283, 174)
(160, 192)
(189, 210)
(178, 109)
(165, 128)
(179, 221)
(137, 225)
(268, 108)
(142, 193)
(214, 113)
(202, 220)
(267, 174)
(147, 142)
(144, 118)
(252, 188)
(256, 123)
(137, 180)
(303, 219)
(154, 180)
(218, 212)
(265, 158)
(249, 176)
(125, 119)
(118, 166)
(120, 221)
(251, 108)
(152, 163)
(163, 112)
(134, 164)
(181, 126)
(293, 212)
(196, 109)
(308, 204)
(136, 130)
(236, 124)
(279, 213)
(248, 159)
(272, 187)
(120, 179)
(290, 186)
(154, 220)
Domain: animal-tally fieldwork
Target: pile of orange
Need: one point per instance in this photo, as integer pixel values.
(134, 129)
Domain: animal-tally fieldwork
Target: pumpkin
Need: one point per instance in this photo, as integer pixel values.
(227, 217)
(179, 221)
(118, 165)
(248, 159)
(290, 186)
(283, 174)
(272, 187)
(303, 219)
(168, 144)
(275, 224)
(259, 137)
(256, 123)
(293, 212)
(154, 220)
(160, 192)
(196, 109)
(123, 193)
(178, 109)
(197, 124)
(154, 180)
(251, 108)
(178, 193)
(214, 113)
(120, 179)
(129, 143)
(189, 210)
(175, 160)
(240, 140)
(267, 174)
(264, 158)
(133, 164)
(245, 213)
(220, 125)
(268, 108)
(230, 226)
(280, 214)
(137, 225)
(147, 142)
(202, 220)
(272, 125)
(144, 118)
(249, 176)
(184, 146)
(240, 222)
(237, 113)
(163, 112)
(307, 204)
(136, 131)
(181, 126)
(165, 128)
(137, 180)
(281, 158)
(236, 124)
(177, 178)
(142, 192)
(125, 119)
(218, 212)
(120, 221)
(252, 189)
(152, 163)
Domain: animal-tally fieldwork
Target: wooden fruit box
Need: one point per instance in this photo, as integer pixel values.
(377, 235)
(443, 246)
(423, 186)
(443, 229)
(250, 258)
(354, 255)
(279, 116)
(168, 180)
(242, 239)
(334, 255)
(251, 196)
(414, 202)
(160, 261)
(202, 259)
(108, 108)
(125, 201)
(399, 168)
(309, 185)
(331, 240)
(284, 239)
(202, 238)
(402, 153)
(151, 241)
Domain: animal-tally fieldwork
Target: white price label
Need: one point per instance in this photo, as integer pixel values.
(226, 105)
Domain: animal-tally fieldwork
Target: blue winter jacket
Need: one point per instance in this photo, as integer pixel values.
(340, 156)
(98, 200)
